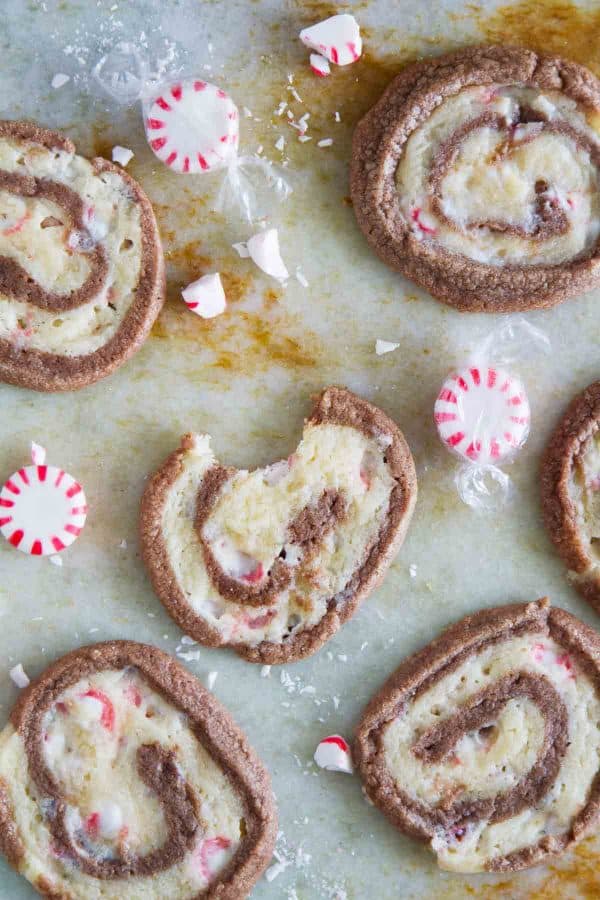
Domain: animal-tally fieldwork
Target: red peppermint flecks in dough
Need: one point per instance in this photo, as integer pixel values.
(107, 719)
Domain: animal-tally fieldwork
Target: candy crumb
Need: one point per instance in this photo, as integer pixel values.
(210, 680)
(265, 672)
(301, 277)
(382, 347)
(19, 676)
(326, 142)
(122, 155)
(320, 65)
(241, 248)
(59, 80)
(56, 560)
(280, 143)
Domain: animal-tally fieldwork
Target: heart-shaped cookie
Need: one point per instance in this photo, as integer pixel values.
(272, 562)
(81, 264)
(121, 776)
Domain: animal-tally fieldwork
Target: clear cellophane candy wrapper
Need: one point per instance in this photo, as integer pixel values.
(482, 411)
(193, 127)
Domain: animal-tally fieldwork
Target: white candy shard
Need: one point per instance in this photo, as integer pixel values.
(241, 249)
(19, 676)
(333, 754)
(320, 65)
(59, 80)
(122, 155)
(337, 38)
(193, 126)
(111, 820)
(382, 347)
(56, 561)
(263, 248)
(38, 454)
(210, 680)
(205, 296)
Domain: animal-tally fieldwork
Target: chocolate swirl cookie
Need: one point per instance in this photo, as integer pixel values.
(485, 743)
(81, 265)
(121, 776)
(571, 491)
(272, 562)
(477, 175)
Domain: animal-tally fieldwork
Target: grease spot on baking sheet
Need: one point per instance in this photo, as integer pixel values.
(549, 26)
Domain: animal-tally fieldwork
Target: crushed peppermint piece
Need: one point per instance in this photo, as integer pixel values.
(59, 80)
(280, 142)
(303, 138)
(301, 277)
(241, 248)
(412, 570)
(333, 754)
(337, 38)
(295, 94)
(337, 116)
(190, 642)
(210, 680)
(281, 108)
(123, 545)
(325, 142)
(56, 560)
(19, 676)
(206, 296)
(247, 112)
(265, 672)
(320, 65)
(122, 155)
(382, 347)
(189, 656)
(38, 454)
(263, 249)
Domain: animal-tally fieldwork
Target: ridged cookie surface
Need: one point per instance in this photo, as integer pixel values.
(485, 744)
(272, 562)
(81, 264)
(121, 777)
(477, 175)
(571, 491)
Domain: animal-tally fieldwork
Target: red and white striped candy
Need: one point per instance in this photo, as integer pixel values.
(42, 508)
(320, 65)
(333, 754)
(337, 38)
(482, 413)
(193, 126)
(205, 296)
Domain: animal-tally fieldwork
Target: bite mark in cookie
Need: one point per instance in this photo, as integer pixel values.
(81, 265)
(571, 491)
(484, 744)
(272, 562)
(477, 175)
(119, 773)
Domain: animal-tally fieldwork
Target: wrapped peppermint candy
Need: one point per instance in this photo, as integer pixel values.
(482, 413)
(193, 127)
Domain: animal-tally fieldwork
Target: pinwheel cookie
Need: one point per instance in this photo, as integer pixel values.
(571, 491)
(477, 175)
(272, 562)
(485, 744)
(81, 265)
(122, 777)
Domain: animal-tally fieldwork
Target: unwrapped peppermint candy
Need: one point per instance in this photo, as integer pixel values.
(333, 754)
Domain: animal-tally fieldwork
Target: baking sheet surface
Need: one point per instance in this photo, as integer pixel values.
(247, 378)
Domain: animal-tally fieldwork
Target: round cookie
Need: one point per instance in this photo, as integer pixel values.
(272, 562)
(121, 776)
(81, 264)
(571, 491)
(485, 744)
(476, 175)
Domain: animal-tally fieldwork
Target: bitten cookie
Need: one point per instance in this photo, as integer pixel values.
(122, 777)
(476, 175)
(272, 562)
(81, 264)
(571, 491)
(485, 744)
